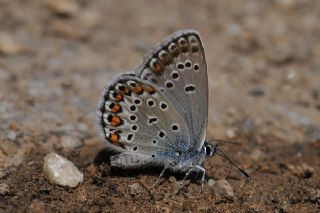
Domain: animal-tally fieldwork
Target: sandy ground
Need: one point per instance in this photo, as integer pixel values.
(264, 74)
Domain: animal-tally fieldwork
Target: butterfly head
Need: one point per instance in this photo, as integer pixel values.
(209, 149)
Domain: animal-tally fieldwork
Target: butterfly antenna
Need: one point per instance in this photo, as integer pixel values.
(219, 152)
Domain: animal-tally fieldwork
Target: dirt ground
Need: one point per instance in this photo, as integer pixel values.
(264, 74)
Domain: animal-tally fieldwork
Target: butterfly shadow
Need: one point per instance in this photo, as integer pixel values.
(102, 160)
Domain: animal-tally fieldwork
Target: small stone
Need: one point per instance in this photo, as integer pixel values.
(3, 173)
(61, 171)
(256, 154)
(89, 18)
(13, 126)
(135, 188)
(314, 196)
(233, 29)
(64, 8)
(37, 206)
(291, 74)
(211, 182)
(188, 205)
(203, 209)
(4, 189)
(82, 126)
(312, 133)
(82, 195)
(257, 91)
(9, 46)
(303, 171)
(231, 133)
(12, 135)
(70, 142)
(62, 29)
(163, 209)
(92, 169)
(224, 190)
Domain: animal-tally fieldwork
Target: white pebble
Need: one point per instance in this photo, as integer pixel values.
(211, 182)
(61, 171)
(231, 133)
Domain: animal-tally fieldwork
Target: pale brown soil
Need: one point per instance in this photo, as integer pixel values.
(264, 74)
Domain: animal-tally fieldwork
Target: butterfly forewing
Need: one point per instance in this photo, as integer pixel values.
(136, 117)
(178, 68)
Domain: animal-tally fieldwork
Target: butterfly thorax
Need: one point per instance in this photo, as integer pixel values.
(189, 159)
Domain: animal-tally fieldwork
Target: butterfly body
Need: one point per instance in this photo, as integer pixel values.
(176, 162)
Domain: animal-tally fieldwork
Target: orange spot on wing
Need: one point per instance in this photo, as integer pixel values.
(116, 108)
(157, 68)
(115, 121)
(114, 138)
(117, 97)
(149, 89)
(127, 91)
(138, 89)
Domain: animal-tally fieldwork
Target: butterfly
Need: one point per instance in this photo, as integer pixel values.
(158, 114)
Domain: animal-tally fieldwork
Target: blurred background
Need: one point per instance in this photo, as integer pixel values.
(264, 72)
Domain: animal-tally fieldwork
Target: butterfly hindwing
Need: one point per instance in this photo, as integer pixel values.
(178, 68)
(136, 117)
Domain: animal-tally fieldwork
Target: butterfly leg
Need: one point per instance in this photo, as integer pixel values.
(198, 169)
(160, 176)
(201, 169)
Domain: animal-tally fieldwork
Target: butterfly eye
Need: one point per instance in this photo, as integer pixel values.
(208, 150)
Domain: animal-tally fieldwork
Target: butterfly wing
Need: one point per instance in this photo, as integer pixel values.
(139, 120)
(178, 67)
